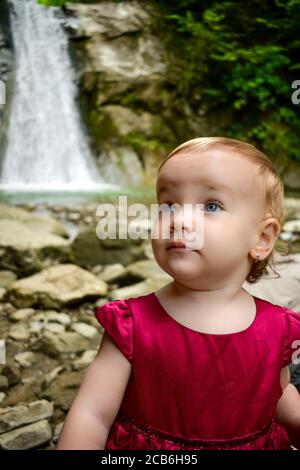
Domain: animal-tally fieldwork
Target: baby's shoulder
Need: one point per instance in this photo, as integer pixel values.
(275, 311)
(279, 318)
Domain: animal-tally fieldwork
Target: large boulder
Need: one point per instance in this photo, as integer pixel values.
(30, 242)
(34, 221)
(147, 268)
(113, 31)
(60, 285)
(88, 249)
(26, 437)
(56, 345)
(17, 416)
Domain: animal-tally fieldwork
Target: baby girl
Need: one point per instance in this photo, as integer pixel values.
(199, 363)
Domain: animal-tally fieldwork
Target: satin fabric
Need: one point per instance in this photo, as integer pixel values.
(195, 390)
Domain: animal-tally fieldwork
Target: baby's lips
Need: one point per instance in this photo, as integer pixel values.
(176, 244)
(195, 243)
(189, 246)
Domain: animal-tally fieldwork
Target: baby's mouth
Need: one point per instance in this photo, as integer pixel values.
(179, 246)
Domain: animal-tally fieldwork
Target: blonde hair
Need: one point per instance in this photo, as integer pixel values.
(274, 189)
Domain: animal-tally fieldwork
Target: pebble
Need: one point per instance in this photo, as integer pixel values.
(26, 359)
(22, 314)
(19, 332)
(85, 330)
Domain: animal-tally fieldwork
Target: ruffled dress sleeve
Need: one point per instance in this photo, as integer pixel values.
(116, 318)
(291, 344)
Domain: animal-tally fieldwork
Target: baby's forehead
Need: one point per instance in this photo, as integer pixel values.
(217, 170)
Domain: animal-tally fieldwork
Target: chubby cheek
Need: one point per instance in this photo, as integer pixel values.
(160, 255)
(158, 248)
(234, 234)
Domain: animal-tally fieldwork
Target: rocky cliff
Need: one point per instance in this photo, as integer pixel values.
(131, 101)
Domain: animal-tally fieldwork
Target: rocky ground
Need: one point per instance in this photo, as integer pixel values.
(54, 271)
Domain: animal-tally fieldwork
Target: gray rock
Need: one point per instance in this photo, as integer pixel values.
(112, 272)
(7, 309)
(147, 268)
(64, 388)
(62, 318)
(141, 288)
(57, 431)
(56, 328)
(48, 378)
(34, 221)
(22, 393)
(56, 286)
(26, 250)
(2, 293)
(292, 226)
(19, 332)
(7, 277)
(26, 359)
(85, 360)
(292, 207)
(12, 372)
(51, 316)
(97, 269)
(108, 18)
(89, 249)
(26, 437)
(126, 57)
(85, 330)
(17, 416)
(126, 121)
(55, 345)
(3, 383)
(22, 314)
(120, 163)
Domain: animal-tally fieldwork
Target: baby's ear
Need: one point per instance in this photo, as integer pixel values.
(269, 232)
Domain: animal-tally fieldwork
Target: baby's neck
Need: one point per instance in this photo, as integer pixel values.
(216, 311)
(221, 296)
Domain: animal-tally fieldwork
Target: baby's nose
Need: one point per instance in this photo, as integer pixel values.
(188, 224)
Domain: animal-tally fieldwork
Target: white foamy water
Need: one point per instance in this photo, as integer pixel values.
(47, 148)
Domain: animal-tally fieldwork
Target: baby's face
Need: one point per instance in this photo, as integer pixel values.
(233, 206)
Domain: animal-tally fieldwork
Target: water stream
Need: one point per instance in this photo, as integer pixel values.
(47, 148)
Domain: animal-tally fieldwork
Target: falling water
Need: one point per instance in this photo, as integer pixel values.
(47, 148)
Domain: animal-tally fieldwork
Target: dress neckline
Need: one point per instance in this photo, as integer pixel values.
(184, 327)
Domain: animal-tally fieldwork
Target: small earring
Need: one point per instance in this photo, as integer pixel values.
(257, 257)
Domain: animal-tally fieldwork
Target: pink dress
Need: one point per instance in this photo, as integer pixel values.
(193, 390)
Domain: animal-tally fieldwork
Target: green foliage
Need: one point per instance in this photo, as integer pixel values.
(240, 56)
(139, 142)
(53, 3)
(60, 3)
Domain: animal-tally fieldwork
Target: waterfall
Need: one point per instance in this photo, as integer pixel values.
(46, 146)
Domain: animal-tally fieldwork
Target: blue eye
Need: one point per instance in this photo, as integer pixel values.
(167, 207)
(214, 203)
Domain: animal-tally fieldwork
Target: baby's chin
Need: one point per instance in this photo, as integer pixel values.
(182, 269)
